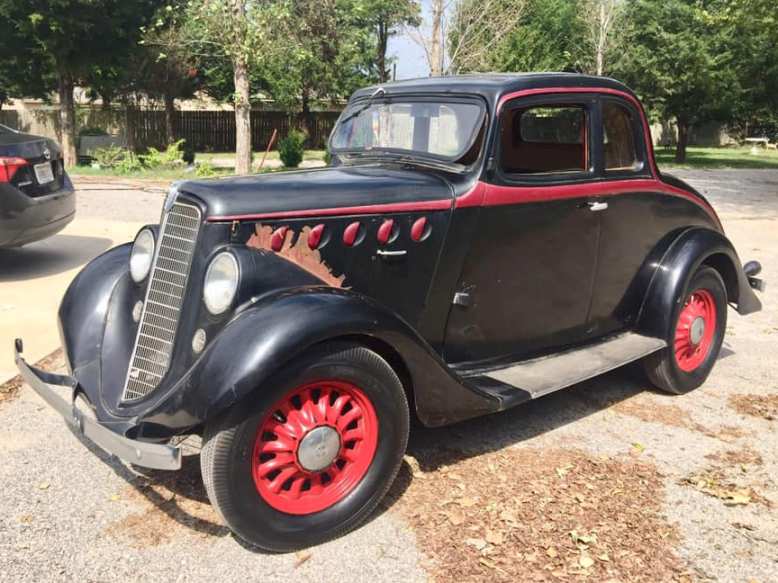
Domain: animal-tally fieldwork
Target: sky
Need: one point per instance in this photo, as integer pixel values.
(409, 56)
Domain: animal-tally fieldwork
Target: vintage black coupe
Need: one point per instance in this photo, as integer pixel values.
(477, 242)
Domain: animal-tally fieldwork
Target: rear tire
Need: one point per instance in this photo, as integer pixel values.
(281, 501)
(699, 323)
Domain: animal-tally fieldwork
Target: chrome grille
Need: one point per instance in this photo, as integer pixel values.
(164, 297)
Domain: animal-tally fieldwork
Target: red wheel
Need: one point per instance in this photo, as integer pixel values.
(695, 330)
(311, 453)
(694, 338)
(314, 446)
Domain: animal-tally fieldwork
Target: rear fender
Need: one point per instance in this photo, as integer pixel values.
(691, 249)
(267, 336)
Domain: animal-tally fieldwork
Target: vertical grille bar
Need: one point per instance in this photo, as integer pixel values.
(164, 297)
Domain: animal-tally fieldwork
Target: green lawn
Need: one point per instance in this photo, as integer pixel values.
(222, 163)
(718, 158)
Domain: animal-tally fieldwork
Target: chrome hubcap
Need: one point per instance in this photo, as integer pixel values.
(697, 330)
(318, 449)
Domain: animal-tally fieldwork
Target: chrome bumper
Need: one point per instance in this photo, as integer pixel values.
(50, 387)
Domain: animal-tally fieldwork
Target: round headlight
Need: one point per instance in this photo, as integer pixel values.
(142, 255)
(221, 283)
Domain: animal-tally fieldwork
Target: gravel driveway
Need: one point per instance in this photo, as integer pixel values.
(604, 481)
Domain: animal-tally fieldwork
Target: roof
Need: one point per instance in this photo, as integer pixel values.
(492, 86)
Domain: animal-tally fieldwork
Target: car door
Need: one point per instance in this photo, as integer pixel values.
(527, 279)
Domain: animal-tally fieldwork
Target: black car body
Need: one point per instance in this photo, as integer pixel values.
(538, 246)
(37, 198)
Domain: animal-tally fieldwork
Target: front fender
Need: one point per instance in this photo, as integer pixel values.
(83, 311)
(268, 335)
(692, 248)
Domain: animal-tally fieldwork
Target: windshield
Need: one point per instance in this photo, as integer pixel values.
(441, 130)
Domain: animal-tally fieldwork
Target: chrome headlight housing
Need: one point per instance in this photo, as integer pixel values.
(142, 255)
(221, 283)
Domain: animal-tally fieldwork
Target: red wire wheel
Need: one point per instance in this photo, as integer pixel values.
(314, 446)
(695, 330)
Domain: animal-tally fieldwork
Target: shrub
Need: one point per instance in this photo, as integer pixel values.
(205, 170)
(129, 164)
(291, 149)
(188, 153)
(110, 156)
(170, 157)
(92, 131)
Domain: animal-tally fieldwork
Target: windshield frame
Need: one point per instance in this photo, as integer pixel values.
(393, 153)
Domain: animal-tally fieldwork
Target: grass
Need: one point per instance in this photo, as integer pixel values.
(718, 158)
(222, 162)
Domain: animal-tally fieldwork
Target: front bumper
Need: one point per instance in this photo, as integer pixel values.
(61, 392)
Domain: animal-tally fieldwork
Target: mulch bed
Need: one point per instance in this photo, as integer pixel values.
(10, 389)
(539, 515)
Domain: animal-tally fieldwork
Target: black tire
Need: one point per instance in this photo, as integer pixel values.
(662, 367)
(226, 457)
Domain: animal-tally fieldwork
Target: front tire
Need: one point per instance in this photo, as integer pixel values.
(695, 339)
(314, 455)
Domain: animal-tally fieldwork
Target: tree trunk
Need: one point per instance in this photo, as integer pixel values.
(383, 74)
(67, 120)
(242, 117)
(170, 113)
(436, 50)
(305, 115)
(601, 41)
(129, 126)
(683, 141)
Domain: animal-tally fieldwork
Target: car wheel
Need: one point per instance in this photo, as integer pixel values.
(315, 453)
(696, 336)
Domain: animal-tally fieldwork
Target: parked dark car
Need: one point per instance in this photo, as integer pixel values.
(37, 198)
(479, 241)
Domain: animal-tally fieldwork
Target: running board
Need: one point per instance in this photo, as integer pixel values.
(534, 378)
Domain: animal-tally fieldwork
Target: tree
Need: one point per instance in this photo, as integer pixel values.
(600, 17)
(323, 52)
(676, 55)
(75, 38)
(519, 35)
(166, 70)
(386, 18)
(240, 32)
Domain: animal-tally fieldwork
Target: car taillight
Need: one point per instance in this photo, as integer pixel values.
(9, 166)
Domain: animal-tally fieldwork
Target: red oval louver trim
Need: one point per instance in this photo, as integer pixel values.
(385, 231)
(277, 238)
(314, 238)
(350, 234)
(418, 228)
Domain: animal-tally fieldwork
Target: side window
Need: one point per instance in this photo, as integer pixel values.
(619, 138)
(545, 140)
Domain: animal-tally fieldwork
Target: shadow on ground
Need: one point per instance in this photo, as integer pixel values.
(48, 257)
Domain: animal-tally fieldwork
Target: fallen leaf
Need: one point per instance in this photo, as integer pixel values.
(494, 538)
(478, 543)
(301, 557)
(467, 502)
(44, 486)
(639, 447)
(585, 561)
(551, 552)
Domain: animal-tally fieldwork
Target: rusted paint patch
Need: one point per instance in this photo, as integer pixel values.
(295, 248)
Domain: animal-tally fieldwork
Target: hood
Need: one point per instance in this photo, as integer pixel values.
(310, 190)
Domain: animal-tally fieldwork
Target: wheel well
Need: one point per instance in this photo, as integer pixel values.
(723, 264)
(390, 355)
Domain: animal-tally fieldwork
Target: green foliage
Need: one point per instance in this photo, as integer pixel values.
(291, 149)
(551, 36)
(129, 164)
(170, 157)
(205, 170)
(109, 156)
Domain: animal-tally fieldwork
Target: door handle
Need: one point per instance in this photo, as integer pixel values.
(399, 253)
(597, 206)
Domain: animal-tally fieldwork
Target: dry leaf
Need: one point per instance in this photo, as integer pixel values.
(551, 552)
(494, 538)
(585, 561)
(301, 557)
(478, 543)
(43, 486)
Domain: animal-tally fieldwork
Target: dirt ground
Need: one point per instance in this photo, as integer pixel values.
(606, 481)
